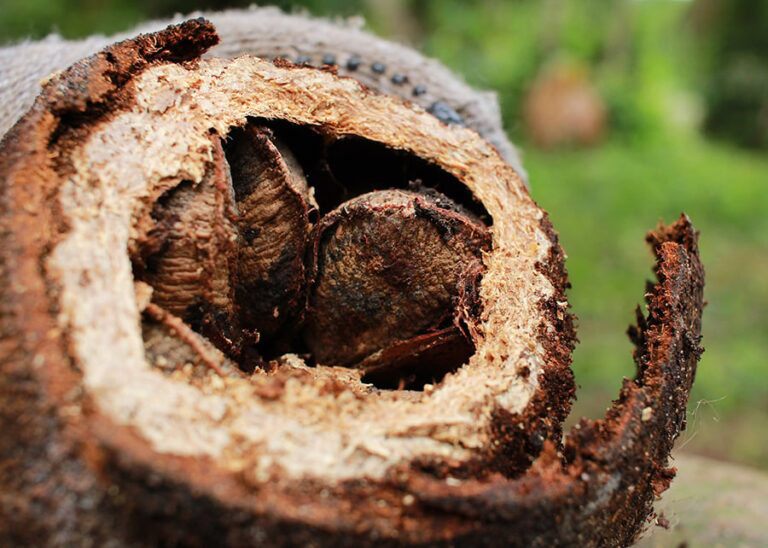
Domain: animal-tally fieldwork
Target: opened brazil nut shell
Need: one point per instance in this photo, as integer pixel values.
(146, 400)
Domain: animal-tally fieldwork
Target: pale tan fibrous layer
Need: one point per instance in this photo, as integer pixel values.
(164, 139)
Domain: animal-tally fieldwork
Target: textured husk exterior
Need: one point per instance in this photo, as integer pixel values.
(75, 470)
(268, 32)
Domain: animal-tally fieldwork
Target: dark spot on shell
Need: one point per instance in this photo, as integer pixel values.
(353, 63)
(399, 79)
(378, 67)
(250, 233)
(303, 60)
(329, 59)
(419, 90)
(443, 226)
(443, 112)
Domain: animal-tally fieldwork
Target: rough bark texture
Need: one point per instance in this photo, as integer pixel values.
(102, 446)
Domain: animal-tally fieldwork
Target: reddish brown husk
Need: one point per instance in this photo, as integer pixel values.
(601, 492)
(70, 475)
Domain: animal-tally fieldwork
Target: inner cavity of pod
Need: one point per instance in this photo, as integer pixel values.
(335, 248)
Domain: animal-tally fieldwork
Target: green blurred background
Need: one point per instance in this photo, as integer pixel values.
(672, 99)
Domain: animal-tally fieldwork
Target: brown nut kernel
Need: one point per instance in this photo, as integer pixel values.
(274, 203)
(389, 268)
(187, 256)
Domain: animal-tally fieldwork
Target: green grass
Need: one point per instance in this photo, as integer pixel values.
(603, 201)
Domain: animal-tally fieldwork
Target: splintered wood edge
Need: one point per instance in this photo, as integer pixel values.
(599, 490)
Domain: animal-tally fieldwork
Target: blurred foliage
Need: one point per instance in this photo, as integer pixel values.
(655, 73)
(21, 19)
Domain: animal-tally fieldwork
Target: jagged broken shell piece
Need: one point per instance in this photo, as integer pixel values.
(125, 453)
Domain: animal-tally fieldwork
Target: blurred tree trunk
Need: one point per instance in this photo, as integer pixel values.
(735, 33)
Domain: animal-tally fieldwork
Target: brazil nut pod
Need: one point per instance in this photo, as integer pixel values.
(142, 423)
